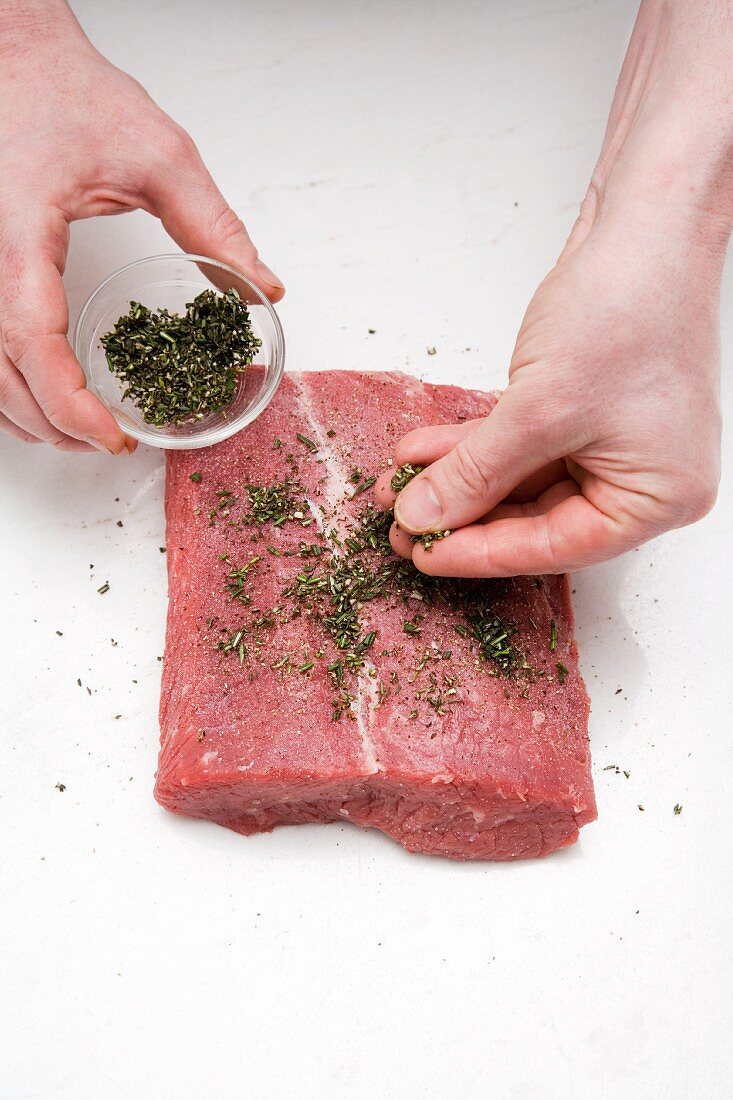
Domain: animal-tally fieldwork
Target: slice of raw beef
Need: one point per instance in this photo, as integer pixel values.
(311, 675)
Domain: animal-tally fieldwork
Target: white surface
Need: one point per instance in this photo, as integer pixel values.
(413, 168)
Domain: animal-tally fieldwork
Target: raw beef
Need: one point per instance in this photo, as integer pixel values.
(426, 737)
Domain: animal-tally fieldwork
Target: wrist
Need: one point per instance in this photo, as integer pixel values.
(667, 156)
(29, 25)
(676, 175)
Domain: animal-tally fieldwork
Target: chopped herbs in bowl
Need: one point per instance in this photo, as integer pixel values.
(183, 350)
(179, 368)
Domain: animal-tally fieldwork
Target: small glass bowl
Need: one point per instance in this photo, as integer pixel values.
(170, 282)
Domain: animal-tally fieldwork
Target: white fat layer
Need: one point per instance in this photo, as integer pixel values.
(365, 707)
(338, 487)
(337, 476)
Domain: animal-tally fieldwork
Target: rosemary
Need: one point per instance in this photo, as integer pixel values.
(276, 504)
(403, 476)
(176, 368)
(337, 578)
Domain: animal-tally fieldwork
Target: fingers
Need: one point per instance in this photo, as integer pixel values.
(401, 542)
(555, 494)
(22, 416)
(569, 536)
(42, 386)
(425, 445)
(404, 544)
(483, 467)
(195, 214)
(10, 428)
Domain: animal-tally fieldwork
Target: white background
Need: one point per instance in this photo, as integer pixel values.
(413, 168)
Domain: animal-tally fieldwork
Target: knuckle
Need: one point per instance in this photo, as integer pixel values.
(57, 413)
(470, 471)
(699, 498)
(14, 336)
(7, 387)
(173, 143)
(228, 226)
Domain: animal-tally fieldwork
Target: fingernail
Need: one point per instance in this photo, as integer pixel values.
(417, 508)
(107, 448)
(130, 444)
(268, 276)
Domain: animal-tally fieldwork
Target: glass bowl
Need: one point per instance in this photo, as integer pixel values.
(170, 282)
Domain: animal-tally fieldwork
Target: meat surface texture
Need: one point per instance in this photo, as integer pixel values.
(421, 734)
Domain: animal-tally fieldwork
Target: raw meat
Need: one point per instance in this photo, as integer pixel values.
(428, 740)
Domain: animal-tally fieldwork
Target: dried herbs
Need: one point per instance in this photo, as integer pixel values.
(403, 476)
(180, 368)
(340, 580)
(276, 503)
(400, 479)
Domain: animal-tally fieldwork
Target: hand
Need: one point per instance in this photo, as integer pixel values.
(609, 431)
(607, 435)
(80, 138)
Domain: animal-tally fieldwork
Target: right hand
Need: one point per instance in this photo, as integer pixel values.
(78, 138)
(608, 433)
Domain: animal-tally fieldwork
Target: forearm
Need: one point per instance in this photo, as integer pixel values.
(668, 151)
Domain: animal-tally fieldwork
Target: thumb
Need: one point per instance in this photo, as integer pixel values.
(196, 215)
(483, 468)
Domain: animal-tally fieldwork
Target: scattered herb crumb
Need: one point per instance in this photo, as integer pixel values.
(429, 537)
(677, 809)
(312, 447)
(60, 786)
(363, 486)
(196, 477)
(103, 588)
(403, 475)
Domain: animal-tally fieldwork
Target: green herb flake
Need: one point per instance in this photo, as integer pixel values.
(196, 477)
(363, 486)
(312, 447)
(178, 369)
(429, 537)
(553, 635)
(403, 476)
